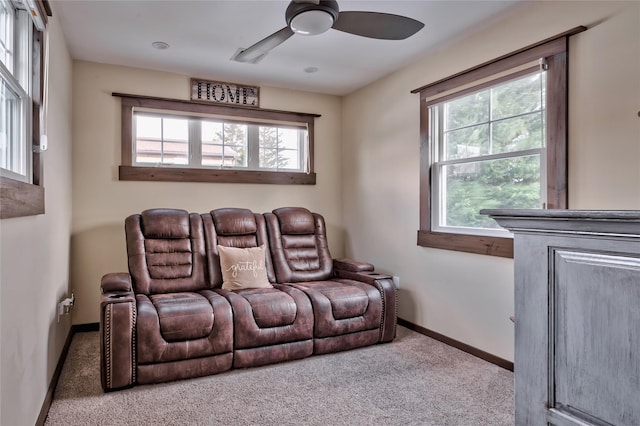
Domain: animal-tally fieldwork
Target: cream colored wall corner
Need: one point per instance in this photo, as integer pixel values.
(604, 121)
(101, 202)
(464, 296)
(34, 263)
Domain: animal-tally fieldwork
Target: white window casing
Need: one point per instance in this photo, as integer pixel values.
(217, 142)
(16, 93)
(472, 159)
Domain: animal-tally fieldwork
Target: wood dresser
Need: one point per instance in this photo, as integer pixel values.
(577, 316)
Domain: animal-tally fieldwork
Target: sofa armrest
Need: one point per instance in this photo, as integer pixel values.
(117, 333)
(386, 287)
(118, 281)
(346, 264)
(365, 277)
(356, 270)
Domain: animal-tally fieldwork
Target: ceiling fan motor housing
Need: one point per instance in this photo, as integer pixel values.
(297, 9)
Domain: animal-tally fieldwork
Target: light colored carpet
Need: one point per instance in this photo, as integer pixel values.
(414, 380)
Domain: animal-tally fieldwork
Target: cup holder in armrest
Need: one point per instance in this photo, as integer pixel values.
(117, 296)
(374, 274)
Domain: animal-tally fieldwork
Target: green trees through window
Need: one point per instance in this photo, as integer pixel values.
(488, 151)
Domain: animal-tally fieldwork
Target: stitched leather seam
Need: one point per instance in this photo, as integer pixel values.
(395, 321)
(107, 328)
(384, 303)
(133, 343)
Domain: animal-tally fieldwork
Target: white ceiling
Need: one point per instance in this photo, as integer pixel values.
(203, 35)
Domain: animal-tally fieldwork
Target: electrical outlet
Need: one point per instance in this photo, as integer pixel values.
(396, 282)
(65, 307)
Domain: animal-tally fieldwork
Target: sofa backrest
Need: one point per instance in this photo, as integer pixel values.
(298, 245)
(166, 251)
(233, 227)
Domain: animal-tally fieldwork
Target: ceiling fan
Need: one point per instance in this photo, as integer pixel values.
(311, 17)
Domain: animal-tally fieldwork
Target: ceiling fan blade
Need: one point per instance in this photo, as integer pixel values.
(252, 53)
(378, 25)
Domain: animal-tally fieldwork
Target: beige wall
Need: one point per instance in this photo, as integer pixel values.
(604, 121)
(465, 296)
(101, 202)
(34, 264)
(375, 217)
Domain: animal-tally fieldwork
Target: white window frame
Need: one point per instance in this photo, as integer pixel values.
(17, 76)
(194, 142)
(438, 193)
(302, 150)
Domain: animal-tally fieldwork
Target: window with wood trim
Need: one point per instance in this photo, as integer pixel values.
(23, 63)
(173, 140)
(494, 136)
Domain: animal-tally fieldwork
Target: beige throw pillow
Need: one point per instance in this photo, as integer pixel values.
(243, 268)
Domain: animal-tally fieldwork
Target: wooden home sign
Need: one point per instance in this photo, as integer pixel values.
(224, 93)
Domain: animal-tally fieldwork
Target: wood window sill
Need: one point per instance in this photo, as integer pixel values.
(175, 174)
(19, 199)
(490, 246)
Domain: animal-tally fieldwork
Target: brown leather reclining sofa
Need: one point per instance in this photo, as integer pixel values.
(169, 318)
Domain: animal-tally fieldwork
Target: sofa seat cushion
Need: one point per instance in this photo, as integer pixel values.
(342, 306)
(347, 301)
(151, 345)
(270, 316)
(271, 308)
(183, 316)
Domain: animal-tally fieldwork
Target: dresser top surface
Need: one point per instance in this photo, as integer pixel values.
(625, 222)
(633, 215)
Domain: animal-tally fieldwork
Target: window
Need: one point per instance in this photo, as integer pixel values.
(22, 91)
(488, 148)
(15, 92)
(494, 136)
(197, 142)
(173, 140)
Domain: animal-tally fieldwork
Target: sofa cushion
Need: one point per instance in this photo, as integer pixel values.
(235, 227)
(342, 306)
(298, 244)
(243, 267)
(166, 252)
(183, 316)
(295, 221)
(168, 258)
(270, 316)
(234, 222)
(347, 301)
(270, 307)
(165, 223)
(152, 347)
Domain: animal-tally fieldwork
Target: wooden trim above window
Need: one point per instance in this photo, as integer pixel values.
(45, 6)
(128, 171)
(534, 51)
(208, 108)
